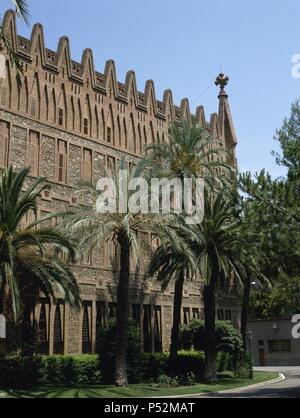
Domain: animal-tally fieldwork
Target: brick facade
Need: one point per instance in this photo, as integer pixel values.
(69, 115)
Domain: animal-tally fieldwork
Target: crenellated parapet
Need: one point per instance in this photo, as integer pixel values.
(82, 92)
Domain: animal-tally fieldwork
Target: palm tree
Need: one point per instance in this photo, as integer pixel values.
(174, 259)
(22, 10)
(216, 246)
(191, 152)
(91, 229)
(29, 259)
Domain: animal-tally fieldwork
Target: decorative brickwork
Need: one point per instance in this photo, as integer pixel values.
(63, 117)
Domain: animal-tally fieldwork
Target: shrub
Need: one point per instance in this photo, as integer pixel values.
(165, 381)
(18, 372)
(188, 380)
(224, 362)
(21, 372)
(229, 340)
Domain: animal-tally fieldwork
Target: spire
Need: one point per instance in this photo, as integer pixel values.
(226, 125)
(222, 81)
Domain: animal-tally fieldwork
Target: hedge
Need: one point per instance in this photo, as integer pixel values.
(18, 372)
(21, 372)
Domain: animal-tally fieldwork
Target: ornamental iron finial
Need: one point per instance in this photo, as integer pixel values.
(222, 81)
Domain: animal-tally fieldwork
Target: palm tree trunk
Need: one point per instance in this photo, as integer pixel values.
(173, 359)
(5, 311)
(210, 367)
(244, 316)
(122, 312)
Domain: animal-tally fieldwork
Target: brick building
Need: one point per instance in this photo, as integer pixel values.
(62, 118)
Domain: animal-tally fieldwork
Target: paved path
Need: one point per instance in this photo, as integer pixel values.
(289, 388)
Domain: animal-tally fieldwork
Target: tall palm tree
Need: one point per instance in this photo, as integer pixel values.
(174, 259)
(92, 229)
(218, 237)
(190, 152)
(29, 259)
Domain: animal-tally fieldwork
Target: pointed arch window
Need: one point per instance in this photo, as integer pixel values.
(125, 143)
(157, 329)
(43, 334)
(86, 329)
(100, 323)
(45, 104)
(132, 135)
(147, 331)
(110, 131)
(58, 331)
(97, 127)
(119, 132)
(139, 143)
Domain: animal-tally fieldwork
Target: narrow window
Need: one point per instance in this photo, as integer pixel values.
(34, 153)
(108, 138)
(186, 316)
(61, 117)
(85, 126)
(4, 143)
(33, 107)
(86, 329)
(43, 340)
(87, 164)
(62, 162)
(58, 347)
(147, 329)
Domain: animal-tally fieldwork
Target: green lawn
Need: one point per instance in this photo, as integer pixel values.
(135, 391)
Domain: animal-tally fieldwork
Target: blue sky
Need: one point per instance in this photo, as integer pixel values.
(183, 44)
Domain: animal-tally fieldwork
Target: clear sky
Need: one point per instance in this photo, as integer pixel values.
(182, 44)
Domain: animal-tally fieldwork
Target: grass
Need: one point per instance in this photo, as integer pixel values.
(137, 391)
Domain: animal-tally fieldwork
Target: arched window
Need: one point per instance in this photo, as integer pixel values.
(100, 323)
(58, 338)
(151, 133)
(34, 99)
(131, 135)
(62, 108)
(139, 142)
(103, 125)
(86, 329)
(96, 124)
(119, 132)
(147, 329)
(110, 128)
(87, 118)
(52, 107)
(43, 335)
(73, 118)
(125, 137)
(45, 105)
(157, 329)
(79, 121)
